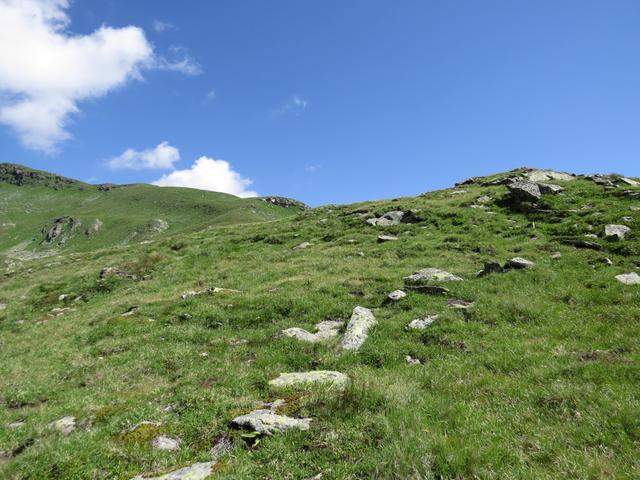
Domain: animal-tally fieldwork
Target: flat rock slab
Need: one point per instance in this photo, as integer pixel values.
(422, 323)
(266, 422)
(546, 175)
(459, 304)
(310, 379)
(431, 275)
(518, 263)
(302, 246)
(629, 278)
(550, 188)
(66, 425)
(386, 238)
(396, 295)
(208, 291)
(358, 327)
(616, 232)
(324, 331)
(166, 443)
(300, 334)
(197, 471)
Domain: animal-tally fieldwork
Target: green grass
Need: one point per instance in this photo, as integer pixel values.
(539, 380)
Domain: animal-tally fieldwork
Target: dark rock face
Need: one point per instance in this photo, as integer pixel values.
(62, 230)
(285, 202)
(20, 176)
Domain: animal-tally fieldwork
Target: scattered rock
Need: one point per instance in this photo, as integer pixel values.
(386, 238)
(483, 200)
(422, 323)
(302, 246)
(550, 188)
(358, 327)
(459, 304)
(518, 263)
(556, 255)
(266, 422)
(412, 361)
(3, 306)
(607, 261)
(158, 225)
(388, 219)
(223, 445)
(600, 180)
(431, 275)
(324, 331)
(629, 278)
(310, 379)
(616, 232)
(396, 295)
(627, 219)
(166, 443)
(66, 425)
(208, 291)
(300, 334)
(197, 471)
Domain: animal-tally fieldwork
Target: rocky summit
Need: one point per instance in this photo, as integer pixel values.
(488, 330)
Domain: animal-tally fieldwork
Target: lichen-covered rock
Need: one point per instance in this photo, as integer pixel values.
(300, 334)
(431, 275)
(325, 330)
(311, 379)
(546, 175)
(358, 327)
(197, 471)
(629, 278)
(266, 422)
(422, 323)
(521, 192)
(518, 263)
(66, 425)
(616, 232)
(168, 444)
(396, 295)
(386, 238)
(550, 188)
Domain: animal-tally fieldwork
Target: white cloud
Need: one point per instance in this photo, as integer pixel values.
(45, 70)
(296, 105)
(160, 26)
(178, 60)
(209, 174)
(163, 156)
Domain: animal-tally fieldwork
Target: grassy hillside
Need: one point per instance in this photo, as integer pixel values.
(32, 203)
(538, 379)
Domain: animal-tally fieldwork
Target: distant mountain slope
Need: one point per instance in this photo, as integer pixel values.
(42, 212)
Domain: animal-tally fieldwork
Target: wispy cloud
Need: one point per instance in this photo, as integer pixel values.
(163, 156)
(210, 96)
(295, 105)
(46, 71)
(312, 168)
(160, 26)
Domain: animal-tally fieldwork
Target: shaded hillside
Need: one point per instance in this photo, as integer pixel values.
(517, 358)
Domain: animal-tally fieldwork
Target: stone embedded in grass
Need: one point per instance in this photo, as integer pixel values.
(629, 278)
(412, 361)
(297, 380)
(66, 425)
(546, 175)
(396, 295)
(208, 291)
(3, 306)
(197, 471)
(17, 424)
(302, 246)
(267, 422)
(430, 275)
(422, 323)
(362, 319)
(388, 219)
(223, 445)
(459, 304)
(518, 263)
(166, 443)
(490, 267)
(324, 331)
(616, 232)
(386, 238)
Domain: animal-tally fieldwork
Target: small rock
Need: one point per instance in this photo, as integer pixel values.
(3, 306)
(629, 278)
(483, 200)
(412, 361)
(556, 255)
(266, 422)
(166, 443)
(358, 327)
(197, 471)
(222, 446)
(396, 295)
(607, 261)
(627, 219)
(207, 291)
(63, 297)
(131, 311)
(431, 275)
(459, 304)
(310, 379)
(518, 263)
(422, 323)
(490, 267)
(17, 424)
(302, 246)
(616, 232)
(386, 238)
(66, 425)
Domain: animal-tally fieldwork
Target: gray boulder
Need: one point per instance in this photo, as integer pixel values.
(629, 278)
(521, 192)
(546, 175)
(422, 322)
(166, 443)
(324, 331)
(616, 232)
(388, 219)
(302, 246)
(518, 263)
(550, 188)
(358, 327)
(396, 295)
(267, 422)
(431, 275)
(66, 425)
(386, 238)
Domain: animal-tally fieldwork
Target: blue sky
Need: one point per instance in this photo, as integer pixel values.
(328, 101)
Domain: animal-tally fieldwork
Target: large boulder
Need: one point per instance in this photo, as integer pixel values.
(546, 175)
(358, 327)
(524, 192)
(629, 278)
(616, 232)
(430, 275)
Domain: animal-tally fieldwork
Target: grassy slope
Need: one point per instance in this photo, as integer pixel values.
(125, 210)
(539, 380)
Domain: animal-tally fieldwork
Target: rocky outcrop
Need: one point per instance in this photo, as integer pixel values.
(62, 230)
(285, 202)
(616, 232)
